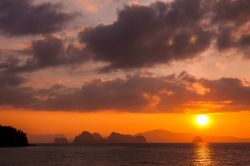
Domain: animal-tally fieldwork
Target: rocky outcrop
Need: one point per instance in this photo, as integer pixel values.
(88, 138)
(11, 137)
(95, 138)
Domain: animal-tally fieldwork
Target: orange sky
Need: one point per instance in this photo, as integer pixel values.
(71, 124)
(173, 57)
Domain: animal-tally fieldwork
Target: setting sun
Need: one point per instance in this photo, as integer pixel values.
(202, 120)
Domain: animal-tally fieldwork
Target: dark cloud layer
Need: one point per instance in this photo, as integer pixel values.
(147, 35)
(12, 94)
(21, 17)
(10, 80)
(48, 52)
(134, 94)
(233, 20)
(142, 36)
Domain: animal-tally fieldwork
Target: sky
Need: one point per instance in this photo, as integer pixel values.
(125, 65)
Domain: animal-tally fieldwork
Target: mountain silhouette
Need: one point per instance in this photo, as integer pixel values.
(11, 137)
(165, 136)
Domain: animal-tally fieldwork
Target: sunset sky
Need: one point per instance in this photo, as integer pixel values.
(125, 65)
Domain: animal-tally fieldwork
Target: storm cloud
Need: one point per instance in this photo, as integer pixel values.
(22, 17)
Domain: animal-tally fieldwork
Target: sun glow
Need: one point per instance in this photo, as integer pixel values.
(202, 120)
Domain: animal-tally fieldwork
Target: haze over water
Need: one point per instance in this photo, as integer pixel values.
(128, 155)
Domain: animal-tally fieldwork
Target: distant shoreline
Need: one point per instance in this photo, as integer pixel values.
(120, 144)
(117, 144)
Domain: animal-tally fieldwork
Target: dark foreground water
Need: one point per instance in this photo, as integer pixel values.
(128, 155)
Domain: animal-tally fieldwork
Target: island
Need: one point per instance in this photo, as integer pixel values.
(11, 137)
(87, 138)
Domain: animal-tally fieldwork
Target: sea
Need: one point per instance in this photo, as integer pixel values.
(202, 154)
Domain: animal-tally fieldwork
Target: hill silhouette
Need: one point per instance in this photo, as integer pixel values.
(87, 138)
(11, 137)
(165, 136)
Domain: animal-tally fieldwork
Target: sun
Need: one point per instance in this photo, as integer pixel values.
(202, 120)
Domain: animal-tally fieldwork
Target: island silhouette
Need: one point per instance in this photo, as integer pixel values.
(12, 137)
(165, 136)
(87, 138)
(152, 136)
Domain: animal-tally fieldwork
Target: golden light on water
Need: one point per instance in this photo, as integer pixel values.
(202, 155)
(202, 120)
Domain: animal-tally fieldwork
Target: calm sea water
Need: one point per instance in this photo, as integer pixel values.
(128, 155)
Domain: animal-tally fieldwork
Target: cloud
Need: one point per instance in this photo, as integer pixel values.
(12, 94)
(10, 80)
(51, 51)
(136, 93)
(148, 35)
(22, 17)
(233, 18)
(232, 91)
(143, 36)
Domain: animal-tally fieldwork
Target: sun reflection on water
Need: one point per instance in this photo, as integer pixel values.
(202, 155)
